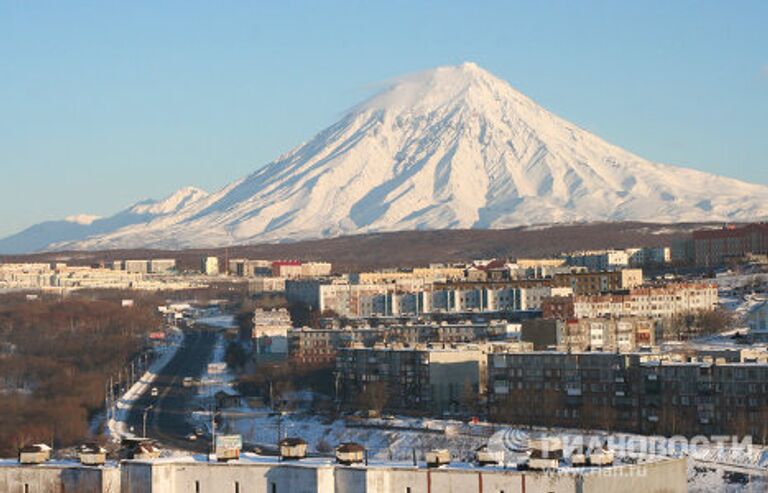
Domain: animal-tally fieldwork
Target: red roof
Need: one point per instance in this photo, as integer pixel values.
(286, 262)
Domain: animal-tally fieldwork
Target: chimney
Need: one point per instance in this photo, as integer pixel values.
(350, 453)
(292, 448)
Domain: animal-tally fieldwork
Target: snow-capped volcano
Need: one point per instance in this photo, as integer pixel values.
(453, 147)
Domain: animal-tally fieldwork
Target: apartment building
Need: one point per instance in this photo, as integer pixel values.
(269, 333)
(136, 266)
(315, 346)
(25, 276)
(656, 302)
(599, 260)
(290, 269)
(436, 378)
(591, 334)
(73, 277)
(162, 266)
(757, 318)
(649, 256)
(599, 282)
(266, 285)
(636, 392)
(243, 267)
(319, 346)
(315, 269)
(210, 266)
(712, 247)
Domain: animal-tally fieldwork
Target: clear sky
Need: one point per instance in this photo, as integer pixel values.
(105, 103)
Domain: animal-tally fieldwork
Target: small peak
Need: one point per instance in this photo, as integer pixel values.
(470, 67)
(84, 219)
(189, 190)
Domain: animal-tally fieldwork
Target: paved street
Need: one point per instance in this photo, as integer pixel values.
(167, 421)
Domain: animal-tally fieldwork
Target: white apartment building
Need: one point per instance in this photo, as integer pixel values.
(653, 302)
(136, 266)
(87, 277)
(270, 333)
(210, 266)
(25, 276)
(599, 260)
(162, 266)
(414, 297)
(315, 269)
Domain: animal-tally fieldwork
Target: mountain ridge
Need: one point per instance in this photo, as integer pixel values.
(452, 147)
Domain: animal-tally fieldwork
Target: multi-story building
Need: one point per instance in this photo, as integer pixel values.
(591, 334)
(290, 269)
(649, 256)
(711, 247)
(599, 260)
(315, 269)
(427, 378)
(25, 276)
(655, 302)
(162, 266)
(314, 346)
(210, 266)
(71, 277)
(757, 319)
(136, 266)
(269, 333)
(267, 285)
(599, 282)
(638, 392)
(319, 346)
(242, 267)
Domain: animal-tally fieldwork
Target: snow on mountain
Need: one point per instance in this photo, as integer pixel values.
(82, 218)
(453, 147)
(82, 226)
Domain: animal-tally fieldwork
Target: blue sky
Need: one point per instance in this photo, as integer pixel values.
(105, 103)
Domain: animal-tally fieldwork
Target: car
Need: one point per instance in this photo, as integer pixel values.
(199, 431)
(154, 392)
(192, 437)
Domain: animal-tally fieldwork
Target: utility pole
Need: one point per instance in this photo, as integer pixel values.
(144, 428)
(213, 429)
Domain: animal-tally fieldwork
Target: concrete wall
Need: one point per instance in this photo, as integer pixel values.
(59, 479)
(202, 477)
(668, 476)
(190, 477)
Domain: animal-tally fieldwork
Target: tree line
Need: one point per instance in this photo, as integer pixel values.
(55, 358)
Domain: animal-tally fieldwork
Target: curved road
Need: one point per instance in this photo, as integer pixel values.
(167, 421)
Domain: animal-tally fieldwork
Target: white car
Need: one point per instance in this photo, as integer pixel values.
(154, 392)
(192, 437)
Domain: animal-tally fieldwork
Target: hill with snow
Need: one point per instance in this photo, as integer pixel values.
(453, 147)
(82, 226)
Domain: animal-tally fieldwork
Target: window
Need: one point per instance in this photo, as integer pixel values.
(237, 486)
(197, 486)
(274, 487)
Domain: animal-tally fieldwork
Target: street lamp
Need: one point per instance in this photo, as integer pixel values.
(144, 416)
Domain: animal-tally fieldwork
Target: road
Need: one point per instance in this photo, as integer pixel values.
(166, 421)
